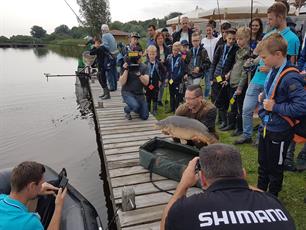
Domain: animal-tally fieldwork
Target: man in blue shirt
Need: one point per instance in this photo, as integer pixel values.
(27, 183)
(109, 42)
(277, 20)
(151, 33)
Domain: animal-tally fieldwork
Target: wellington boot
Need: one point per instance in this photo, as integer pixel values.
(223, 118)
(106, 94)
(231, 123)
(101, 96)
(301, 161)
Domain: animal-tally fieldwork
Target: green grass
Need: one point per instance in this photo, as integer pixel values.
(68, 42)
(294, 185)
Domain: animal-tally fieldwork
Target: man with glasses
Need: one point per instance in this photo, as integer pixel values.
(200, 109)
(184, 33)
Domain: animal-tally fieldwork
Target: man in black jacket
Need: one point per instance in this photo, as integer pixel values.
(228, 202)
(101, 53)
(184, 33)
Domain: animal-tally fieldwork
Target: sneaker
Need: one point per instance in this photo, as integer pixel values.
(255, 142)
(300, 164)
(154, 113)
(236, 133)
(289, 165)
(243, 140)
(128, 116)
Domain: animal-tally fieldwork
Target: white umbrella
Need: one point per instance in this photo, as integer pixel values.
(192, 15)
(237, 9)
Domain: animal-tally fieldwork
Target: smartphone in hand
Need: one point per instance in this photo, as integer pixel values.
(63, 183)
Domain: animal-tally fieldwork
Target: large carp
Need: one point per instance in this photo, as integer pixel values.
(186, 128)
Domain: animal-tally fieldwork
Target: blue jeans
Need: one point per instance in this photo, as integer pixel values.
(136, 104)
(112, 76)
(207, 84)
(249, 105)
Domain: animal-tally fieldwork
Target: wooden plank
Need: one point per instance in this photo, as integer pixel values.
(131, 126)
(126, 123)
(122, 164)
(130, 139)
(140, 216)
(127, 171)
(150, 226)
(146, 188)
(134, 134)
(134, 179)
(132, 149)
(120, 157)
(149, 200)
(124, 144)
(111, 130)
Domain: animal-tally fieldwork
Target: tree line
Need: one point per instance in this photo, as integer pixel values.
(62, 32)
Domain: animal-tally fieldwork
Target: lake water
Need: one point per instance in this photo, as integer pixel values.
(41, 120)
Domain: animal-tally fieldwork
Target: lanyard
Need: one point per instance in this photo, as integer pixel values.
(224, 57)
(173, 65)
(269, 93)
(195, 54)
(151, 70)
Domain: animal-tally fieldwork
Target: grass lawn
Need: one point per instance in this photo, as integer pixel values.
(294, 185)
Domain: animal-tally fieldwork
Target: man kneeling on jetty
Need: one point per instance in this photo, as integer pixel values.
(27, 183)
(228, 202)
(198, 108)
(134, 76)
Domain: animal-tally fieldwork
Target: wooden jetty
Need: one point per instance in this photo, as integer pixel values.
(121, 139)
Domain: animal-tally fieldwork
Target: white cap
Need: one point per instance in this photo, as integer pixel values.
(104, 27)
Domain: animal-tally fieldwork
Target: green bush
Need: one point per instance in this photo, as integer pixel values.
(24, 39)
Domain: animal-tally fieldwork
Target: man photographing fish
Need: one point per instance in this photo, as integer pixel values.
(195, 107)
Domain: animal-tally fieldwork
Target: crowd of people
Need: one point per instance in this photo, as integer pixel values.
(242, 69)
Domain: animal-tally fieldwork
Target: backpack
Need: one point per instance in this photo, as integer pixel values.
(109, 60)
(298, 125)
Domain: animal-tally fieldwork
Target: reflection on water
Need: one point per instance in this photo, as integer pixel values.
(41, 52)
(49, 122)
(82, 98)
(67, 50)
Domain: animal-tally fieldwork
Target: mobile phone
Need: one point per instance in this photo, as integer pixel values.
(198, 166)
(63, 183)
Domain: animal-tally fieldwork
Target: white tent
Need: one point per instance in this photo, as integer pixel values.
(237, 9)
(192, 15)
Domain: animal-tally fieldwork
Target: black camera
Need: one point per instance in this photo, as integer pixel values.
(132, 58)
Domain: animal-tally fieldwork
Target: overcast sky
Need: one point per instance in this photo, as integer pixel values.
(18, 16)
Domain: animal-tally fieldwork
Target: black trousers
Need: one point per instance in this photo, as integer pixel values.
(102, 79)
(175, 96)
(220, 96)
(271, 155)
(235, 114)
(152, 96)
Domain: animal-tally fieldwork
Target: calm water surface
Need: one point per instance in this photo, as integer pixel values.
(41, 120)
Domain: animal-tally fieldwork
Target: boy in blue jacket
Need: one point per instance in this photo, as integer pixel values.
(283, 95)
(176, 69)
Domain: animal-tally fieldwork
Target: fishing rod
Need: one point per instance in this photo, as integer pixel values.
(78, 18)
(48, 75)
(219, 14)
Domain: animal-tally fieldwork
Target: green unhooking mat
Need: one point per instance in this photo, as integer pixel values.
(166, 158)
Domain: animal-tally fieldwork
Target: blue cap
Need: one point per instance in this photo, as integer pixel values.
(184, 43)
